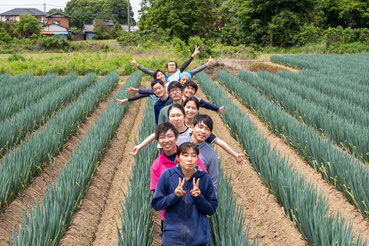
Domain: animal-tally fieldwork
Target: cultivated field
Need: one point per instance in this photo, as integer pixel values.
(66, 176)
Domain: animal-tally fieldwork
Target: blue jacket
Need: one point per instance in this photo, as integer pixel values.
(185, 217)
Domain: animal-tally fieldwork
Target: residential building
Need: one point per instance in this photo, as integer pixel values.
(14, 15)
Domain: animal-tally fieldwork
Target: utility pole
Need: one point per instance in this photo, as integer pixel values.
(128, 17)
(45, 13)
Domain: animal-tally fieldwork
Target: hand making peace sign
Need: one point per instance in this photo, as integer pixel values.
(179, 190)
(195, 191)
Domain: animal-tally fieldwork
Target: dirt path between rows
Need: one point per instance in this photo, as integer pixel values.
(336, 200)
(263, 214)
(95, 221)
(13, 213)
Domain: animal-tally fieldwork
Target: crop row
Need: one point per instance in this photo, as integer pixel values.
(47, 221)
(20, 165)
(301, 201)
(136, 211)
(339, 168)
(342, 107)
(325, 84)
(11, 85)
(25, 98)
(342, 131)
(14, 129)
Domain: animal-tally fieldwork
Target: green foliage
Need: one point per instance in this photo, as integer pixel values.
(27, 25)
(49, 218)
(183, 19)
(127, 38)
(136, 211)
(307, 34)
(55, 42)
(301, 201)
(16, 57)
(117, 11)
(82, 11)
(55, 10)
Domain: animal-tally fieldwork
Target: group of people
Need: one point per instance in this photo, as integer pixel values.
(184, 177)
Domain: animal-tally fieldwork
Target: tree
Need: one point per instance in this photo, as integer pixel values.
(27, 25)
(55, 10)
(117, 10)
(83, 11)
(182, 18)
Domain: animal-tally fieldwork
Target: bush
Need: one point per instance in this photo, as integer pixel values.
(47, 43)
(308, 34)
(127, 38)
(16, 57)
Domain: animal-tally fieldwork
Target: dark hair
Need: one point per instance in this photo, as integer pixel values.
(170, 62)
(163, 128)
(205, 119)
(174, 84)
(192, 84)
(192, 99)
(156, 73)
(183, 148)
(156, 81)
(179, 106)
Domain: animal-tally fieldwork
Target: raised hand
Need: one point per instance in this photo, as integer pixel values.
(122, 101)
(132, 90)
(210, 62)
(195, 190)
(134, 63)
(196, 52)
(179, 190)
(222, 110)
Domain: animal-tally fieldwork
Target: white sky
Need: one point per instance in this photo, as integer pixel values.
(6, 5)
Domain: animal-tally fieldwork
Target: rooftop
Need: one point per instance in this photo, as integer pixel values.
(20, 11)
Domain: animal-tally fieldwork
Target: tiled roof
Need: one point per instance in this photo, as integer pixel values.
(20, 11)
(88, 28)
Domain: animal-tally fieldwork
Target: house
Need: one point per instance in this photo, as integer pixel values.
(57, 24)
(14, 15)
(87, 30)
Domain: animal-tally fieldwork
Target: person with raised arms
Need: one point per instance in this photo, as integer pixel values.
(176, 116)
(188, 196)
(166, 135)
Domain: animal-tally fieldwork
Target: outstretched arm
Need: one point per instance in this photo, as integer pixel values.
(239, 157)
(209, 63)
(137, 148)
(130, 99)
(142, 68)
(189, 60)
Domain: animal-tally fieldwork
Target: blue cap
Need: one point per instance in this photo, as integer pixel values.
(185, 74)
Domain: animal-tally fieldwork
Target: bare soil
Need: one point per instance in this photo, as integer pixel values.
(336, 200)
(13, 213)
(95, 221)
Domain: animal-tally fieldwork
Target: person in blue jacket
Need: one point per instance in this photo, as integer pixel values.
(187, 194)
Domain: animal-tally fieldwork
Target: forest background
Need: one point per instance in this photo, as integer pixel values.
(233, 28)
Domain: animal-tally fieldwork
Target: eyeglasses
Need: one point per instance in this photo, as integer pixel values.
(175, 90)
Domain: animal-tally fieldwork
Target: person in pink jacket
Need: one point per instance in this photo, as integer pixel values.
(166, 135)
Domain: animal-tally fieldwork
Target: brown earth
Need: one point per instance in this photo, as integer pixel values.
(13, 213)
(263, 214)
(95, 221)
(336, 200)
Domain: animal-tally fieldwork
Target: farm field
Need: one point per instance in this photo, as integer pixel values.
(67, 177)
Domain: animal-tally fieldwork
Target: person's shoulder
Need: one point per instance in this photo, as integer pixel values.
(156, 163)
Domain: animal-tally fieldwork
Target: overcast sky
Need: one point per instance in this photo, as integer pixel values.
(6, 5)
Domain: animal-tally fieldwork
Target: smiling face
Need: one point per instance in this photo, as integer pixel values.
(160, 76)
(176, 117)
(188, 159)
(191, 110)
(200, 132)
(167, 142)
(189, 91)
(175, 94)
(171, 67)
(159, 90)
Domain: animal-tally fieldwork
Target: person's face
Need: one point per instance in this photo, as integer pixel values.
(191, 110)
(160, 76)
(176, 117)
(189, 91)
(188, 159)
(167, 141)
(184, 80)
(171, 67)
(201, 132)
(175, 94)
(159, 90)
